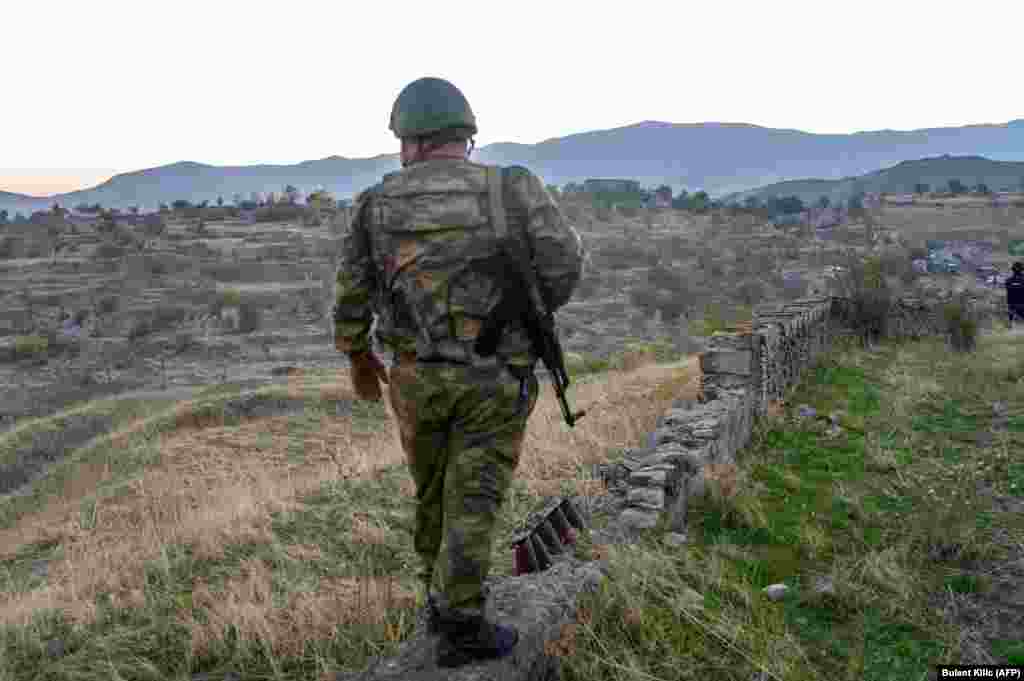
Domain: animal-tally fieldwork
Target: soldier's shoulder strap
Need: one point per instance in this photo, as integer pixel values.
(362, 199)
(515, 243)
(495, 190)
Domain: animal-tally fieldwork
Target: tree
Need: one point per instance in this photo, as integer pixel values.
(921, 188)
(220, 201)
(957, 187)
(752, 203)
(291, 193)
(180, 204)
(824, 202)
(982, 188)
(134, 210)
(3, 217)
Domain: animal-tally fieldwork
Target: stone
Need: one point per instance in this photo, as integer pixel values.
(696, 484)
(646, 477)
(738, 362)
(776, 592)
(633, 519)
(676, 538)
(806, 411)
(55, 648)
(661, 436)
(824, 586)
(647, 497)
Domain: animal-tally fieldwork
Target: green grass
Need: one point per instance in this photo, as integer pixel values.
(888, 511)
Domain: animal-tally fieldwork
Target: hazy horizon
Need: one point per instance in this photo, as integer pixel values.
(154, 84)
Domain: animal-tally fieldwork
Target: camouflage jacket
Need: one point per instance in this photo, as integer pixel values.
(411, 255)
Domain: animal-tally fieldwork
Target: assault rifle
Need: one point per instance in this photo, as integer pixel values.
(521, 300)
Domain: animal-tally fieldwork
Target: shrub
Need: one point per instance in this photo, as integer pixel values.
(249, 318)
(167, 317)
(140, 329)
(9, 247)
(864, 285)
(750, 292)
(30, 346)
(961, 324)
(231, 298)
(108, 250)
(182, 343)
(281, 213)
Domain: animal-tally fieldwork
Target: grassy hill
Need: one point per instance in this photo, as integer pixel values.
(900, 179)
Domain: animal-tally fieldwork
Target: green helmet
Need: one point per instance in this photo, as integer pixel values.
(428, 106)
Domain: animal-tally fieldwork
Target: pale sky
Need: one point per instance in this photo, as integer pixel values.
(105, 86)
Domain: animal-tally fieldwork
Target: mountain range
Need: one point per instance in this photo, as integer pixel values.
(721, 158)
(900, 179)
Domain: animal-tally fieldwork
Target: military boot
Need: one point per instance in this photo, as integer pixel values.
(465, 639)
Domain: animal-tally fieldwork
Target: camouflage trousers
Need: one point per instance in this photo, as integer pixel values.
(462, 431)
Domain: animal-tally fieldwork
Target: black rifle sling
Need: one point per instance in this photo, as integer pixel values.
(521, 296)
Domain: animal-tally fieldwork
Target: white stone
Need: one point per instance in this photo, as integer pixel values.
(676, 538)
(638, 519)
(776, 592)
(647, 497)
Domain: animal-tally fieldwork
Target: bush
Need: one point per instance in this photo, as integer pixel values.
(140, 329)
(864, 285)
(168, 316)
(281, 213)
(249, 318)
(30, 346)
(961, 324)
(9, 247)
(183, 342)
(108, 250)
(231, 298)
(108, 304)
(750, 292)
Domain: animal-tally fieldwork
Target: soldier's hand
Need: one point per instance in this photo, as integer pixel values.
(367, 373)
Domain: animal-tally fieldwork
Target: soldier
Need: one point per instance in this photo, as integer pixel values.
(414, 258)
(1015, 294)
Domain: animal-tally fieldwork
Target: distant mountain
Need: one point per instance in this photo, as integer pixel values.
(11, 197)
(718, 157)
(900, 179)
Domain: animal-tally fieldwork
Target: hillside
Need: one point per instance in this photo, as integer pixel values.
(718, 157)
(900, 179)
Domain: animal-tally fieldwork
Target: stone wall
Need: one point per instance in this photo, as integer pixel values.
(743, 372)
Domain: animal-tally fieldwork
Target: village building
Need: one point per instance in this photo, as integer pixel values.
(611, 186)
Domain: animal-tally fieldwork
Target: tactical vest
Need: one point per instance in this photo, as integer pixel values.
(432, 241)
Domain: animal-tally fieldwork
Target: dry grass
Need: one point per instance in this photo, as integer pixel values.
(216, 485)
